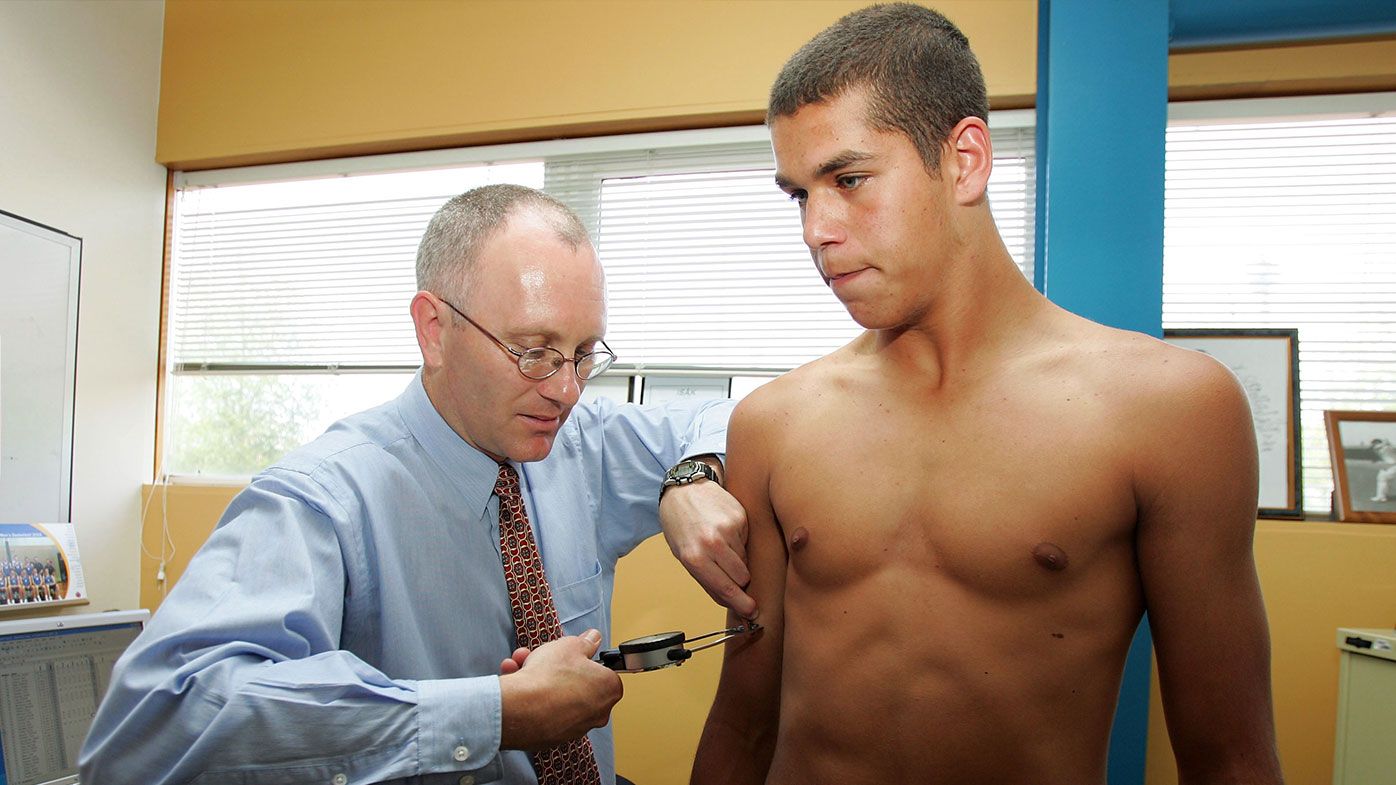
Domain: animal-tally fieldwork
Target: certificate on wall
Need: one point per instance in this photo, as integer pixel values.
(1266, 362)
(39, 566)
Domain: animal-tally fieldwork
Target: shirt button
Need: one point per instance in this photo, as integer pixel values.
(340, 779)
(468, 779)
(460, 754)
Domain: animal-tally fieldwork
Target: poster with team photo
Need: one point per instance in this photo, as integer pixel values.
(39, 566)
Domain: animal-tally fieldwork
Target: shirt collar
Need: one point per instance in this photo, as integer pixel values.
(472, 472)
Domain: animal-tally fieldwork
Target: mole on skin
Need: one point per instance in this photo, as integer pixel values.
(1049, 556)
(799, 539)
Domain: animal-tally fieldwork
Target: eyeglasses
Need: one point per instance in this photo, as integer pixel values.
(544, 361)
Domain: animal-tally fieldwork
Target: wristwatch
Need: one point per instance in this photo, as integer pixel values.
(685, 472)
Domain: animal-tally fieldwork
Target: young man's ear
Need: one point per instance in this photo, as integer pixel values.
(973, 159)
(427, 318)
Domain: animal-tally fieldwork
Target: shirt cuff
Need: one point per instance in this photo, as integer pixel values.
(459, 723)
(708, 436)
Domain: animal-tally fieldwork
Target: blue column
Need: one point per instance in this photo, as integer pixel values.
(1102, 103)
(1102, 107)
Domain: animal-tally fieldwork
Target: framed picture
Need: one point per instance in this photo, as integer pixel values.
(39, 566)
(1362, 446)
(1266, 362)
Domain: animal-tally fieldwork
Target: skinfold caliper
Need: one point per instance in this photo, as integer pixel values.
(663, 649)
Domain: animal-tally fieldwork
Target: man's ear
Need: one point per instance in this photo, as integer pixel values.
(426, 316)
(973, 159)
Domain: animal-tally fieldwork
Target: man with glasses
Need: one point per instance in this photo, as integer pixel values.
(417, 595)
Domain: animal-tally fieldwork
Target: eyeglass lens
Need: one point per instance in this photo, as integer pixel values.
(542, 362)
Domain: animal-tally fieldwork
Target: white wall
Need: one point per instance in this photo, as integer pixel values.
(79, 86)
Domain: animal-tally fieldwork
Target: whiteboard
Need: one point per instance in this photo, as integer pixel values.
(38, 357)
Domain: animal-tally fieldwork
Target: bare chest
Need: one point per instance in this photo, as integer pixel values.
(1002, 499)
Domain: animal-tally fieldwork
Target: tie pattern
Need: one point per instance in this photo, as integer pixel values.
(536, 623)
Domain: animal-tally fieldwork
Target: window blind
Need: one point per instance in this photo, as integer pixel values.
(1291, 224)
(704, 258)
(312, 274)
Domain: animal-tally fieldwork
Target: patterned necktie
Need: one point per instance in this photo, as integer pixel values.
(535, 623)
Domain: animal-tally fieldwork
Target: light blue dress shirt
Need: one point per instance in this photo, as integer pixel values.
(345, 622)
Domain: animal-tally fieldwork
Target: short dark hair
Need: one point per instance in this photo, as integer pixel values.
(917, 66)
(447, 253)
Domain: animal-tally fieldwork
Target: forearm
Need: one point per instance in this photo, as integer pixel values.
(733, 751)
(1253, 767)
(324, 715)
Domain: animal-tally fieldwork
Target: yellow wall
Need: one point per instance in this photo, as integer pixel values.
(254, 81)
(245, 81)
(1316, 577)
(178, 518)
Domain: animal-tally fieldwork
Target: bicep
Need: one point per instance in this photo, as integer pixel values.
(751, 665)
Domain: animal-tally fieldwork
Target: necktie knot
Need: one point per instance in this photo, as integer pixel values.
(507, 484)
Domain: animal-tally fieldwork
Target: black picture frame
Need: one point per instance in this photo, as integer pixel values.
(1266, 362)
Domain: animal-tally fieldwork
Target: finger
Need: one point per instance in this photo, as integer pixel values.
(732, 561)
(520, 654)
(725, 591)
(593, 640)
(739, 602)
(507, 667)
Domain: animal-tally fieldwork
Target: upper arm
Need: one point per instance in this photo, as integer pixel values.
(749, 463)
(749, 690)
(1195, 476)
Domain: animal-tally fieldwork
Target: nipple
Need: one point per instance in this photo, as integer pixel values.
(799, 539)
(1050, 557)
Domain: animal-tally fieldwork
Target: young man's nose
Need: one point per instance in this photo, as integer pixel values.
(823, 223)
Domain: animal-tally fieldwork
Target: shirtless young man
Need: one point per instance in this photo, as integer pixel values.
(932, 614)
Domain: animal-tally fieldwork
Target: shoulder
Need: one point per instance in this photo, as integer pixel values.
(347, 443)
(352, 456)
(1167, 378)
(1140, 373)
(1166, 404)
(785, 396)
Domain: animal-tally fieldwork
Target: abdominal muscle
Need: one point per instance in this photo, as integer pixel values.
(909, 673)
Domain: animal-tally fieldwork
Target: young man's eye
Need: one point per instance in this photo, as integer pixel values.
(798, 197)
(850, 181)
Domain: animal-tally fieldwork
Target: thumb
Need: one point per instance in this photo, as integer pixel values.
(592, 639)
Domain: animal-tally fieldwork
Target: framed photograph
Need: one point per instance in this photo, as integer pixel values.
(1362, 446)
(1266, 362)
(39, 566)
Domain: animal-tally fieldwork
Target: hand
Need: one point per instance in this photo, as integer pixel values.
(706, 530)
(556, 694)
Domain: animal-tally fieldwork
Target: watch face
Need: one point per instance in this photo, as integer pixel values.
(687, 471)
